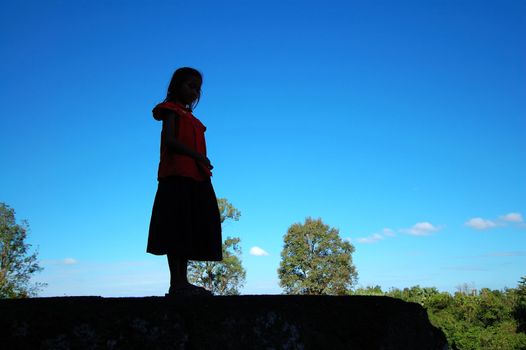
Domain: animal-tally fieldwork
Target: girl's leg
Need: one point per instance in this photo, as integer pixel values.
(178, 278)
(178, 268)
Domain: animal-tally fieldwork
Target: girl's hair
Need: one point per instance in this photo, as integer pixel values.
(179, 76)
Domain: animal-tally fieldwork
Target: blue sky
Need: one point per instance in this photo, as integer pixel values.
(401, 123)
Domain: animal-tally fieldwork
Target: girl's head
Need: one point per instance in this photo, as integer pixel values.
(185, 87)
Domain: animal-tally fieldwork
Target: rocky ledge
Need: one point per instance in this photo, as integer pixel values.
(234, 322)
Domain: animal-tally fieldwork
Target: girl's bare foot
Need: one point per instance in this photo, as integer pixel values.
(188, 289)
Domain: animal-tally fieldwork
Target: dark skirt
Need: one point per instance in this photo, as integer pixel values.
(185, 220)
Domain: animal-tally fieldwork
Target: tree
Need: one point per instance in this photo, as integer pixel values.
(223, 277)
(369, 290)
(489, 319)
(519, 309)
(17, 263)
(315, 260)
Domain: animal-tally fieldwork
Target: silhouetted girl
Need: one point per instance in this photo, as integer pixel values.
(185, 223)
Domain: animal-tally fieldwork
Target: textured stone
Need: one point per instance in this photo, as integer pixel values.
(237, 322)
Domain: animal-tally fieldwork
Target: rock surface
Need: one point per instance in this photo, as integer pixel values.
(236, 322)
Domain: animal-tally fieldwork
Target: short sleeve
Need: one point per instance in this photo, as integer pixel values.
(161, 111)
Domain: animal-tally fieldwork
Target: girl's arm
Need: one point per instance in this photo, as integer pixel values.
(171, 143)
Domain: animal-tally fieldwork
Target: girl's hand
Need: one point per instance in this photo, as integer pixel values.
(204, 159)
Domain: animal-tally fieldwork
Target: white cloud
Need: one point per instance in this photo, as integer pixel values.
(375, 237)
(480, 224)
(466, 268)
(504, 220)
(69, 261)
(421, 229)
(505, 254)
(257, 251)
(388, 232)
(512, 217)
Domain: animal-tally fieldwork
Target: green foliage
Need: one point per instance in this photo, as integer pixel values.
(227, 210)
(17, 264)
(519, 309)
(471, 320)
(492, 307)
(315, 260)
(224, 277)
(369, 290)
(416, 294)
(439, 301)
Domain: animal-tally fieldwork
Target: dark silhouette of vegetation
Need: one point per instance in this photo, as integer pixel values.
(315, 260)
(519, 310)
(471, 320)
(224, 277)
(17, 263)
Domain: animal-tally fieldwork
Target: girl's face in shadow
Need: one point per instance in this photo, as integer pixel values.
(189, 90)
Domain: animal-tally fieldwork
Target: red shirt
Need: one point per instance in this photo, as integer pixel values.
(191, 133)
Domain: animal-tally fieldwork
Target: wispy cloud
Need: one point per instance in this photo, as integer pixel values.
(466, 268)
(480, 224)
(61, 262)
(388, 232)
(505, 254)
(115, 278)
(512, 217)
(70, 261)
(375, 237)
(257, 251)
(421, 229)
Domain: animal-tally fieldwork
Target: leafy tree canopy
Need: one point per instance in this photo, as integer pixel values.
(519, 310)
(224, 277)
(315, 260)
(470, 319)
(17, 263)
